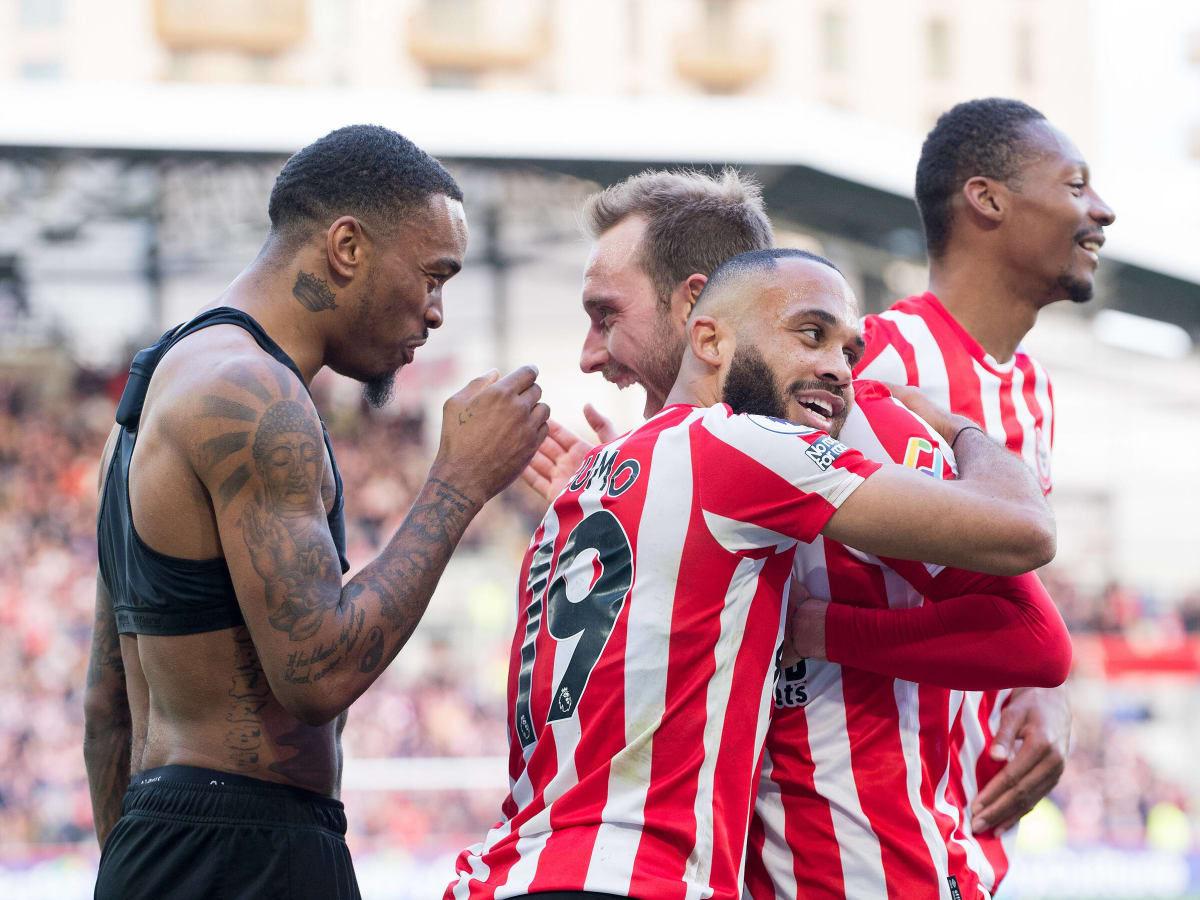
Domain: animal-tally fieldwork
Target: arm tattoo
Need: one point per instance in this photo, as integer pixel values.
(292, 552)
(106, 644)
(107, 737)
(313, 293)
(430, 531)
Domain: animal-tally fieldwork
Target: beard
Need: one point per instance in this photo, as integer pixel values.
(751, 387)
(657, 369)
(377, 391)
(1075, 289)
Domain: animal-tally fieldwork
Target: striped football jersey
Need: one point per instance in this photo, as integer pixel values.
(650, 612)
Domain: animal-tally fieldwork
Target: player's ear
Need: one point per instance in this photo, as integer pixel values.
(345, 247)
(684, 297)
(985, 198)
(706, 341)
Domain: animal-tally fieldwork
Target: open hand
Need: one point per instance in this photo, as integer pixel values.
(562, 452)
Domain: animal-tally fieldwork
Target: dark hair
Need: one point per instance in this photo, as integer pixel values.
(694, 220)
(366, 171)
(756, 260)
(980, 137)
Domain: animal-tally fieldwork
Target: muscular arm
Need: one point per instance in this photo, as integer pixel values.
(107, 731)
(107, 725)
(982, 632)
(992, 519)
(260, 454)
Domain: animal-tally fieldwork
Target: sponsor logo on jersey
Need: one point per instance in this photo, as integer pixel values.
(922, 455)
(791, 687)
(824, 451)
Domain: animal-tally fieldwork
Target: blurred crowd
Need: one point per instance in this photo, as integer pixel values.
(430, 704)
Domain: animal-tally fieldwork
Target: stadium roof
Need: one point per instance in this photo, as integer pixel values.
(525, 126)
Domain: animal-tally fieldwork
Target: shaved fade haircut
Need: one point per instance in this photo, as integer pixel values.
(694, 221)
(744, 264)
(366, 171)
(979, 137)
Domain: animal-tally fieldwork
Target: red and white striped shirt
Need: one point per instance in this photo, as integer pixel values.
(917, 342)
(650, 611)
(852, 801)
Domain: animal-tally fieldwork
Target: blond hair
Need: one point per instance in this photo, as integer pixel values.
(694, 221)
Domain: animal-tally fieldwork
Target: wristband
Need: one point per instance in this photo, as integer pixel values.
(966, 428)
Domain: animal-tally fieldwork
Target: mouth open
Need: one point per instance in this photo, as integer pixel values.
(819, 409)
(1091, 247)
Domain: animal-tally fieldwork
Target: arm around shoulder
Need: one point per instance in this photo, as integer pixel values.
(992, 519)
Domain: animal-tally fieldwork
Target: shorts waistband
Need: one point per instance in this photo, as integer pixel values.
(200, 794)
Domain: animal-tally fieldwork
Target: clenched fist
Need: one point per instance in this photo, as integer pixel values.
(490, 431)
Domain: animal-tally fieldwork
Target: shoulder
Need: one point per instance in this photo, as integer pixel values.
(213, 405)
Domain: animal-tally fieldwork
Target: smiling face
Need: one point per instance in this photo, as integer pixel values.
(1056, 221)
(401, 295)
(631, 338)
(796, 346)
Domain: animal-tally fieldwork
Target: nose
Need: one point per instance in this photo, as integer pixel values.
(433, 313)
(595, 352)
(1101, 212)
(835, 368)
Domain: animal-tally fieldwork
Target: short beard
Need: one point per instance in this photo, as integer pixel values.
(750, 386)
(378, 391)
(1075, 289)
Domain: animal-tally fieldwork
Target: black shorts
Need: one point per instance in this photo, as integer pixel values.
(198, 833)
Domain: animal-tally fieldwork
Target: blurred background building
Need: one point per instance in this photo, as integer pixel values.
(138, 143)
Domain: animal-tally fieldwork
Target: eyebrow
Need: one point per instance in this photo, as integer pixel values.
(452, 264)
(829, 319)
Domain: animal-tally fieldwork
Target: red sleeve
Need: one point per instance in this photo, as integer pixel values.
(981, 632)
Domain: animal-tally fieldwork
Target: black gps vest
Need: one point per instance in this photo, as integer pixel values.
(154, 593)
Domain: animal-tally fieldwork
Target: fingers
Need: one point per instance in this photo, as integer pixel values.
(599, 423)
(521, 379)
(1019, 799)
(478, 383)
(1004, 738)
(563, 436)
(1015, 789)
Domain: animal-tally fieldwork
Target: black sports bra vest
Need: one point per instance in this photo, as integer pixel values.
(154, 593)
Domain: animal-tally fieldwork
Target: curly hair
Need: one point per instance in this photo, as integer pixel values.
(695, 221)
(366, 171)
(979, 137)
